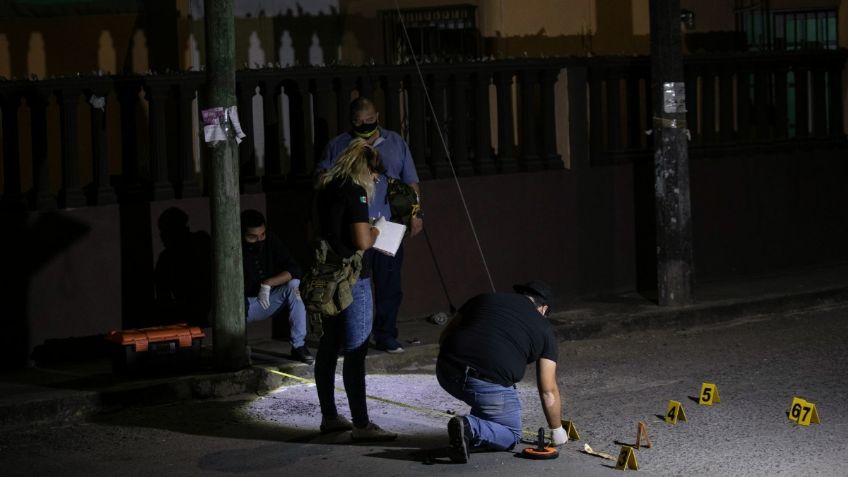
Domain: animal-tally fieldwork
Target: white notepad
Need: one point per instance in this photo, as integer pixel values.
(390, 238)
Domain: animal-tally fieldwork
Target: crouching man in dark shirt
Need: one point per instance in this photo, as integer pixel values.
(485, 350)
(271, 280)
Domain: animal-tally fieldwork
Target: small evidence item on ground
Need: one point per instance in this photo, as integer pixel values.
(542, 451)
(675, 412)
(164, 348)
(587, 449)
(709, 395)
(803, 412)
(439, 318)
(627, 459)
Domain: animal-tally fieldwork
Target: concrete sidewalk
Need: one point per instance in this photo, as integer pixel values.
(75, 390)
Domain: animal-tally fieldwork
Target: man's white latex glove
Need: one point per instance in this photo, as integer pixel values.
(264, 297)
(559, 436)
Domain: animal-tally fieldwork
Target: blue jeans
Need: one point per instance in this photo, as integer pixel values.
(282, 297)
(388, 295)
(495, 418)
(348, 333)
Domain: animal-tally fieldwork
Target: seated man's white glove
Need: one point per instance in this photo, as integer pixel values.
(264, 297)
(559, 436)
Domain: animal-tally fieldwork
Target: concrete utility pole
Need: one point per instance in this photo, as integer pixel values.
(671, 157)
(229, 340)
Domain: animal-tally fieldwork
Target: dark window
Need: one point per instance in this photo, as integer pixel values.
(438, 34)
(767, 29)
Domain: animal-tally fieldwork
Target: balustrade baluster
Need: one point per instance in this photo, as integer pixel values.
(71, 194)
(834, 85)
(762, 106)
(11, 102)
(802, 100)
(344, 85)
(506, 141)
(438, 127)
(708, 98)
(274, 148)
(245, 91)
(128, 90)
(726, 107)
(157, 90)
(781, 129)
(418, 130)
(578, 134)
(459, 152)
(614, 110)
(819, 101)
(102, 192)
(38, 100)
(391, 115)
(597, 147)
(693, 112)
(483, 162)
(635, 131)
(187, 183)
(743, 93)
(529, 78)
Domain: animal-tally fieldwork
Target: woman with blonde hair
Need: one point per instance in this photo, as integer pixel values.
(344, 192)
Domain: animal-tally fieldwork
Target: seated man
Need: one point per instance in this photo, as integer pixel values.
(484, 351)
(271, 280)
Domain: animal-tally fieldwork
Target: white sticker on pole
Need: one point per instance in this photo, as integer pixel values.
(674, 98)
(219, 123)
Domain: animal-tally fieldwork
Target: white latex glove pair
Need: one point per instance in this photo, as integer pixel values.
(559, 436)
(264, 297)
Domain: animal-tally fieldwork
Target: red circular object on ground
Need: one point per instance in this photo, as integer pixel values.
(537, 454)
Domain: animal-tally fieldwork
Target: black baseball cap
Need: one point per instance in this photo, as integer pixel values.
(536, 288)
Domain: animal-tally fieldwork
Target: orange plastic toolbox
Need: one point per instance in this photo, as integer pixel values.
(166, 347)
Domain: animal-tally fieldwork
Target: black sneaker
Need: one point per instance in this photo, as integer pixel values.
(459, 436)
(303, 355)
(392, 347)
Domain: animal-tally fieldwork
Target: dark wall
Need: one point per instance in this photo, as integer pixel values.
(586, 232)
(769, 211)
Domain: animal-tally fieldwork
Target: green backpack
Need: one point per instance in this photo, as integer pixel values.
(326, 287)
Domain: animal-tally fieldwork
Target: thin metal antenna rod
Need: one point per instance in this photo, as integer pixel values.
(445, 146)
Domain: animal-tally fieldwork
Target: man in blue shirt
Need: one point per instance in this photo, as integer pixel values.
(397, 160)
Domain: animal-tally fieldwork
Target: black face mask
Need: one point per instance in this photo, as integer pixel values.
(365, 130)
(255, 247)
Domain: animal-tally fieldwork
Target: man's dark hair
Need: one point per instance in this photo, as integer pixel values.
(361, 103)
(251, 218)
(173, 219)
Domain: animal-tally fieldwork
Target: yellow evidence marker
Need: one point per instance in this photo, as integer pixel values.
(709, 395)
(803, 412)
(675, 412)
(642, 433)
(570, 430)
(626, 459)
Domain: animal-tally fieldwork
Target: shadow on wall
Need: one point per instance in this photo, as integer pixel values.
(183, 274)
(25, 246)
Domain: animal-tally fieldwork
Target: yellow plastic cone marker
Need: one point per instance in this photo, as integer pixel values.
(571, 430)
(675, 412)
(803, 412)
(642, 433)
(626, 459)
(709, 395)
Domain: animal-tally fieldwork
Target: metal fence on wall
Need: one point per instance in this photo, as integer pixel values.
(91, 141)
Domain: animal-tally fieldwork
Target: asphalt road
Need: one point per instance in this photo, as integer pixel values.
(758, 364)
